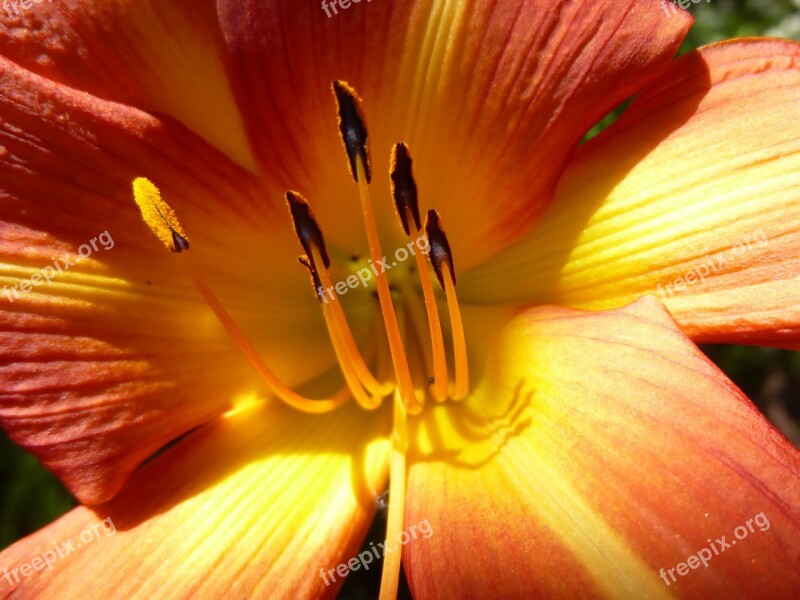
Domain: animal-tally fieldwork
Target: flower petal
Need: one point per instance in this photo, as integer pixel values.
(597, 449)
(162, 56)
(252, 506)
(693, 195)
(491, 96)
(106, 360)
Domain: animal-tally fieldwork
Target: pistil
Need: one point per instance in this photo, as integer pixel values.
(390, 576)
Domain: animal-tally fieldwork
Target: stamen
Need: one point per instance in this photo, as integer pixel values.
(390, 576)
(316, 261)
(316, 282)
(442, 261)
(161, 219)
(399, 359)
(355, 371)
(306, 227)
(404, 192)
(352, 129)
(404, 188)
(354, 137)
(419, 325)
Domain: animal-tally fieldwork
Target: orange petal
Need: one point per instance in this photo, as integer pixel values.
(163, 56)
(491, 96)
(118, 354)
(693, 196)
(252, 506)
(598, 449)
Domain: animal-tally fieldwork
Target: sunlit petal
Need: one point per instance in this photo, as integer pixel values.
(598, 449)
(106, 359)
(693, 196)
(491, 97)
(253, 506)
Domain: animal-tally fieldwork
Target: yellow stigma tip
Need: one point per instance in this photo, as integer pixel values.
(159, 216)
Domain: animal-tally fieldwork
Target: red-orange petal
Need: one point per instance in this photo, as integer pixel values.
(118, 354)
(162, 56)
(693, 196)
(596, 450)
(255, 505)
(491, 96)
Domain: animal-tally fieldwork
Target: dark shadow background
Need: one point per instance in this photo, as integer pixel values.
(30, 497)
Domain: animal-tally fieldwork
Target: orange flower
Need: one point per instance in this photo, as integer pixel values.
(596, 453)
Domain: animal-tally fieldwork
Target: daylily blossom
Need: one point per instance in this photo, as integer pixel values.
(573, 442)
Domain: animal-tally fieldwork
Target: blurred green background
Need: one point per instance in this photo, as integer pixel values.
(30, 497)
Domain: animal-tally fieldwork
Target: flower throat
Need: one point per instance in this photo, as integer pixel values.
(360, 383)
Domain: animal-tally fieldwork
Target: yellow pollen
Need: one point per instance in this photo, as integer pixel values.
(159, 216)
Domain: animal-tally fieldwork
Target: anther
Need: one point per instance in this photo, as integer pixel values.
(159, 216)
(179, 242)
(306, 227)
(440, 248)
(404, 188)
(352, 129)
(442, 260)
